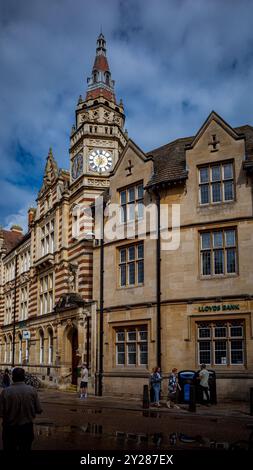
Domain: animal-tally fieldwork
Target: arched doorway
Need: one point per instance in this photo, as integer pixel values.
(74, 358)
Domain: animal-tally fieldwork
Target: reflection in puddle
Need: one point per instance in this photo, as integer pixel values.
(126, 440)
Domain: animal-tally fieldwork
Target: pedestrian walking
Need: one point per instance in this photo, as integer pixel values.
(173, 388)
(156, 385)
(6, 379)
(84, 381)
(19, 404)
(204, 385)
(151, 390)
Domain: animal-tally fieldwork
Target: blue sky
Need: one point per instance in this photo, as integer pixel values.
(173, 62)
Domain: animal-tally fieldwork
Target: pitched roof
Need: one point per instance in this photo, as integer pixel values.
(11, 239)
(170, 160)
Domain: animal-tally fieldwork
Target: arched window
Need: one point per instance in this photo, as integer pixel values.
(20, 351)
(50, 346)
(107, 78)
(41, 347)
(96, 102)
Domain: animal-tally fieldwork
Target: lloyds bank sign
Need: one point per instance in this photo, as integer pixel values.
(219, 308)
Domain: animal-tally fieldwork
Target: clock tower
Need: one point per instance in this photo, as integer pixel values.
(97, 138)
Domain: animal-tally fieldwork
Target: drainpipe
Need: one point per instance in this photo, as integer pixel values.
(101, 310)
(158, 279)
(14, 311)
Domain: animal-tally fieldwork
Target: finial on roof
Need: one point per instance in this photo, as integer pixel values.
(50, 153)
(80, 99)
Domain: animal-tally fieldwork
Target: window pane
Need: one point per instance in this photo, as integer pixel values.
(140, 210)
(217, 240)
(220, 332)
(205, 332)
(131, 348)
(236, 351)
(131, 335)
(236, 331)
(205, 240)
(140, 272)
(123, 275)
(140, 191)
(228, 190)
(204, 352)
(131, 273)
(123, 255)
(143, 353)
(206, 263)
(131, 253)
(218, 262)
(204, 194)
(123, 212)
(121, 353)
(131, 194)
(120, 336)
(140, 249)
(131, 211)
(216, 173)
(203, 175)
(143, 335)
(123, 197)
(220, 352)
(227, 170)
(216, 192)
(230, 237)
(231, 260)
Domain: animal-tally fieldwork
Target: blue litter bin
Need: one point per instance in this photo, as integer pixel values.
(185, 379)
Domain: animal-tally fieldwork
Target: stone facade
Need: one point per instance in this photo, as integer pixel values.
(173, 292)
(46, 276)
(204, 317)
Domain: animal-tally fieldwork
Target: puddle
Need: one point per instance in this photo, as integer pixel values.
(119, 439)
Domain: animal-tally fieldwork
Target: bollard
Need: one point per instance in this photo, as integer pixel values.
(192, 402)
(251, 401)
(145, 396)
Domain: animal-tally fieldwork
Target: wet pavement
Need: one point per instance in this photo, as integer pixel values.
(98, 423)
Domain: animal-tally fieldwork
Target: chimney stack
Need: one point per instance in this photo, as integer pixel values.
(31, 216)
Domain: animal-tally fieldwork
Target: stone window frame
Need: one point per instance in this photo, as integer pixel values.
(213, 338)
(24, 300)
(135, 344)
(210, 182)
(47, 237)
(225, 248)
(136, 202)
(136, 261)
(46, 292)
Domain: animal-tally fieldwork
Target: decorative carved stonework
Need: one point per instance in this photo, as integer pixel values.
(96, 182)
(69, 300)
(24, 278)
(72, 277)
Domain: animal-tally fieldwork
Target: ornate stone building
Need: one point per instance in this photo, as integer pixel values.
(148, 293)
(46, 277)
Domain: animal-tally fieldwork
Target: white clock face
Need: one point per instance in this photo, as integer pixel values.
(100, 160)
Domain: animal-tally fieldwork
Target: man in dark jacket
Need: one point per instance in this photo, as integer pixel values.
(19, 404)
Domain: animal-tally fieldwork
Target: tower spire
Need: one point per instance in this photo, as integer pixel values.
(100, 83)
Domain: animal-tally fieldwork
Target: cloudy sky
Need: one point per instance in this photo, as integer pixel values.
(173, 62)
